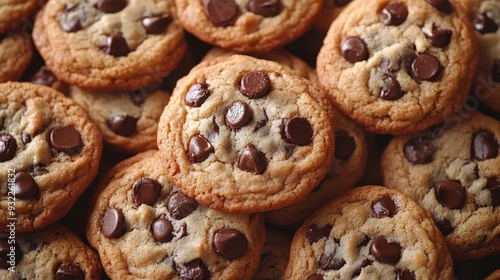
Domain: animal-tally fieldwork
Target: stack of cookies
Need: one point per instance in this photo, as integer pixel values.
(258, 139)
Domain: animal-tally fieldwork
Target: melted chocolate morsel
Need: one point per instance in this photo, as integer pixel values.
(69, 272)
(113, 223)
(419, 150)
(315, 233)
(255, 84)
(265, 8)
(354, 49)
(394, 13)
(230, 243)
(199, 149)
(181, 206)
(221, 12)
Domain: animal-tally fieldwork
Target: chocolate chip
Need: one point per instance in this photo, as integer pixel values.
(426, 67)
(113, 223)
(484, 24)
(385, 251)
(181, 231)
(354, 49)
(145, 191)
(111, 6)
(194, 270)
(331, 262)
(315, 233)
(69, 272)
(8, 147)
(495, 71)
(315, 277)
(25, 186)
(199, 149)
(358, 269)
(156, 24)
(385, 207)
(196, 95)
(44, 77)
(5, 254)
(162, 230)
(26, 138)
(39, 170)
(252, 160)
(215, 126)
(121, 124)
(344, 145)
(484, 145)
(230, 243)
(137, 96)
(70, 22)
(404, 275)
(238, 115)
(297, 130)
(443, 225)
(66, 139)
(181, 206)
(255, 84)
(439, 38)
(389, 66)
(220, 12)
(493, 186)
(116, 45)
(265, 8)
(451, 194)
(392, 90)
(394, 13)
(419, 150)
(443, 6)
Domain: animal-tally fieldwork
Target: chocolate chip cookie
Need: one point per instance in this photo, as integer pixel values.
(144, 227)
(16, 51)
(398, 67)
(453, 171)
(371, 232)
(274, 257)
(49, 154)
(51, 253)
(109, 44)
(242, 134)
(14, 13)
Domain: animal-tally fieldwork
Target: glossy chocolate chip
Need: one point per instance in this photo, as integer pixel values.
(385, 251)
(345, 145)
(162, 230)
(493, 186)
(8, 147)
(419, 150)
(116, 45)
(6, 259)
(121, 124)
(358, 269)
(238, 115)
(354, 49)
(25, 186)
(385, 207)
(252, 160)
(484, 24)
(315, 233)
(137, 96)
(113, 223)
(230, 243)
(484, 145)
(255, 84)
(199, 149)
(66, 139)
(298, 131)
(331, 262)
(69, 272)
(220, 12)
(145, 191)
(315, 277)
(194, 270)
(44, 77)
(426, 67)
(26, 138)
(451, 194)
(392, 90)
(443, 6)
(439, 38)
(495, 71)
(404, 275)
(196, 95)
(265, 8)
(181, 206)
(156, 24)
(111, 6)
(443, 225)
(70, 22)
(394, 13)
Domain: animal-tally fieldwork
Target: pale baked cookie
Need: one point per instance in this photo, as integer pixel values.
(14, 13)
(399, 66)
(247, 25)
(242, 134)
(128, 120)
(370, 232)
(145, 228)
(49, 153)
(455, 174)
(51, 253)
(274, 257)
(16, 51)
(109, 44)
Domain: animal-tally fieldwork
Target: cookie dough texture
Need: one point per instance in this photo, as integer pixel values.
(341, 237)
(15, 13)
(55, 169)
(289, 171)
(16, 51)
(385, 63)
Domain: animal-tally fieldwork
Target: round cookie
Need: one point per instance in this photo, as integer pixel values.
(247, 25)
(49, 153)
(109, 44)
(51, 253)
(454, 173)
(370, 232)
(128, 120)
(16, 51)
(347, 169)
(274, 257)
(398, 67)
(145, 228)
(14, 13)
(242, 134)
